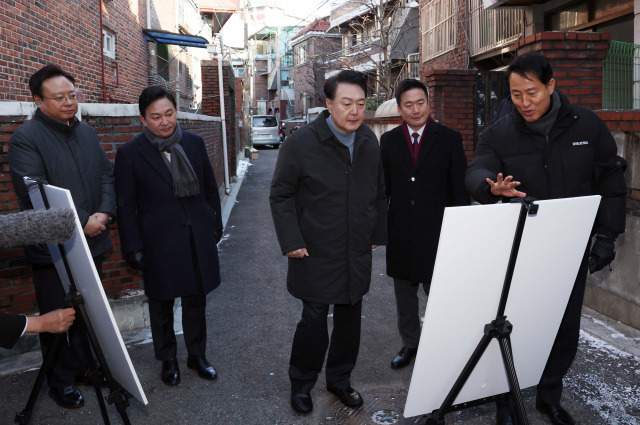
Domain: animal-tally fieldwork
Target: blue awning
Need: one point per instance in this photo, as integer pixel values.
(166, 37)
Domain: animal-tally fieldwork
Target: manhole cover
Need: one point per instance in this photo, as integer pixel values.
(381, 407)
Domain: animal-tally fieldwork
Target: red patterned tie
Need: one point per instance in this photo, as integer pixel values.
(414, 147)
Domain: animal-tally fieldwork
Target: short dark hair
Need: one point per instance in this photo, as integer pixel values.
(410, 84)
(43, 74)
(532, 63)
(150, 95)
(346, 76)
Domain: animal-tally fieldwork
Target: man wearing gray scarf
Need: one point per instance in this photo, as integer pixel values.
(548, 148)
(171, 222)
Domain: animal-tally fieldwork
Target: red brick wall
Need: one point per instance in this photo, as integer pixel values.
(576, 59)
(451, 93)
(16, 289)
(126, 75)
(38, 33)
(232, 106)
(456, 58)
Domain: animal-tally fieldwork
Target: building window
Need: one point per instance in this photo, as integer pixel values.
(109, 43)
(438, 28)
(162, 61)
(301, 54)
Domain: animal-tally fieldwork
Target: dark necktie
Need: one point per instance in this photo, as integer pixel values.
(414, 147)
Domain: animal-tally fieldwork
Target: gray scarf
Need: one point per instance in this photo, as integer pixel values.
(545, 123)
(185, 181)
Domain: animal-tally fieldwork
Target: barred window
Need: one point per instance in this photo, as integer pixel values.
(438, 28)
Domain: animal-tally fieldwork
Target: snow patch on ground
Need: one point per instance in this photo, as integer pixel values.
(610, 394)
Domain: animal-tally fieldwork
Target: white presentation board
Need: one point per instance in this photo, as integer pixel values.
(89, 285)
(473, 254)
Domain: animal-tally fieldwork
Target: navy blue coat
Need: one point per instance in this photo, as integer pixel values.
(418, 195)
(152, 219)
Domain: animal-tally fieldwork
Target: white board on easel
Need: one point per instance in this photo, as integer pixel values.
(473, 254)
(87, 281)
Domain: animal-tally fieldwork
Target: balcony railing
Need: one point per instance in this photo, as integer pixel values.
(621, 76)
(355, 49)
(493, 29)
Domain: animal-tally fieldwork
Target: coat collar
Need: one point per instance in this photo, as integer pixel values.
(430, 138)
(152, 156)
(326, 135)
(54, 124)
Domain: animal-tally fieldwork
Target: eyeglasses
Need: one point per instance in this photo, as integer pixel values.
(60, 99)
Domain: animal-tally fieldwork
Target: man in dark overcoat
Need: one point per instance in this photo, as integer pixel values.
(548, 148)
(424, 167)
(329, 210)
(55, 146)
(169, 227)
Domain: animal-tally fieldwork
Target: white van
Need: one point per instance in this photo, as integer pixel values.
(264, 130)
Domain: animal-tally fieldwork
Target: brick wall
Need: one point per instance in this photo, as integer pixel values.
(576, 59)
(456, 58)
(35, 34)
(126, 75)
(16, 289)
(451, 93)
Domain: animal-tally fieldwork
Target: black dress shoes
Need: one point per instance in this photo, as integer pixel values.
(69, 397)
(403, 357)
(170, 372)
(202, 366)
(347, 395)
(556, 414)
(301, 403)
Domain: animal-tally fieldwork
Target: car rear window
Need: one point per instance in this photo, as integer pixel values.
(264, 122)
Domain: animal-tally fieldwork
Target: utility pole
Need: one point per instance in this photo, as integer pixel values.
(246, 81)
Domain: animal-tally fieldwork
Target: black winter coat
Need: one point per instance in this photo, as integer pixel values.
(334, 207)
(578, 159)
(11, 327)
(152, 219)
(418, 195)
(69, 157)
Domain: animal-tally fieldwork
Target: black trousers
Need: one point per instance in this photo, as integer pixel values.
(565, 345)
(407, 304)
(73, 357)
(311, 340)
(194, 321)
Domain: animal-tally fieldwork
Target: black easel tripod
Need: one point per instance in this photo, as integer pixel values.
(118, 395)
(500, 328)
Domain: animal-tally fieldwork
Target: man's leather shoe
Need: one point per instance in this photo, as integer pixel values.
(403, 357)
(347, 395)
(556, 414)
(69, 397)
(202, 366)
(301, 403)
(170, 372)
(503, 417)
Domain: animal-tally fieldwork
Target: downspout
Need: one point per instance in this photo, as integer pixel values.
(104, 83)
(227, 186)
(148, 14)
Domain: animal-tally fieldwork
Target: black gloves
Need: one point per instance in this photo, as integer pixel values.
(603, 252)
(135, 259)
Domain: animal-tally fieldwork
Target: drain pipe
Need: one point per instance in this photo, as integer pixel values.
(227, 186)
(104, 83)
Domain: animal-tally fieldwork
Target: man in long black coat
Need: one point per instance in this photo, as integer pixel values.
(424, 167)
(329, 210)
(169, 224)
(548, 148)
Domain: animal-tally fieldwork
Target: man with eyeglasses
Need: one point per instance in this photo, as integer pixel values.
(65, 152)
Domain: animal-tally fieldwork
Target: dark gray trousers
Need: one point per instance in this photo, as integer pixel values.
(407, 305)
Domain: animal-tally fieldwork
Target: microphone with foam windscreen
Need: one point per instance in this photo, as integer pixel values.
(33, 227)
